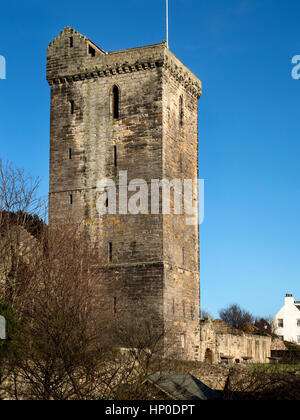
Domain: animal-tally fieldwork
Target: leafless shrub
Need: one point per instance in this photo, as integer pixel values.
(260, 385)
(18, 200)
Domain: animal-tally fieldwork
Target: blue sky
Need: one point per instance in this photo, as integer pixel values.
(249, 118)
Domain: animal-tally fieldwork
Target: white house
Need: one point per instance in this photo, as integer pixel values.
(287, 321)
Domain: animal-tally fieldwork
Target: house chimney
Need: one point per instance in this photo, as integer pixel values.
(289, 299)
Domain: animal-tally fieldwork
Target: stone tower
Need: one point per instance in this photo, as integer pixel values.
(132, 110)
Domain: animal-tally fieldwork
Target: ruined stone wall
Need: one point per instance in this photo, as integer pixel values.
(219, 345)
(148, 261)
(16, 246)
(278, 344)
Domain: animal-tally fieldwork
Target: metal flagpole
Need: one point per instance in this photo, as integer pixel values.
(167, 16)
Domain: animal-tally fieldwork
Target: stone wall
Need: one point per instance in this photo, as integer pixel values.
(17, 245)
(220, 343)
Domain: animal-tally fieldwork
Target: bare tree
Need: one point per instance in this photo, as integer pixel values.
(61, 342)
(236, 317)
(142, 346)
(19, 200)
(267, 384)
(264, 324)
(66, 348)
(205, 314)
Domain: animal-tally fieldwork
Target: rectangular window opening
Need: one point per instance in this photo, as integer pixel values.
(70, 154)
(92, 51)
(280, 323)
(71, 199)
(71, 42)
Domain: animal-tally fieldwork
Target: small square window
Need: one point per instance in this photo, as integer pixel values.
(280, 323)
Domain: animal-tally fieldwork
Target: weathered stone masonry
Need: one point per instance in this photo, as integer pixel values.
(151, 261)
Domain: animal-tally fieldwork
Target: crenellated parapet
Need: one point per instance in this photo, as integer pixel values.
(70, 60)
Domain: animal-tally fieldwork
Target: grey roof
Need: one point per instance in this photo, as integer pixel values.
(183, 387)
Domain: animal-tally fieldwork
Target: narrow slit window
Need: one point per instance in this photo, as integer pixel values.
(115, 305)
(110, 252)
(181, 114)
(92, 51)
(116, 102)
(71, 199)
(115, 157)
(70, 154)
(71, 42)
(192, 312)
(182, 341)
(72, 107)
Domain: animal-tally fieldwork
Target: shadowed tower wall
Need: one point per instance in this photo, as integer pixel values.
(132, 110)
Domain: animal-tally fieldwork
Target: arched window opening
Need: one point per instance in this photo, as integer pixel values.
(209, 356)
(116, 102)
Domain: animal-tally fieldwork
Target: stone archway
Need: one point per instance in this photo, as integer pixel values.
(209, 356)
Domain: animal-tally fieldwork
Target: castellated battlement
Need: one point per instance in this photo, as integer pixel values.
(73, 57)
(133, 110)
